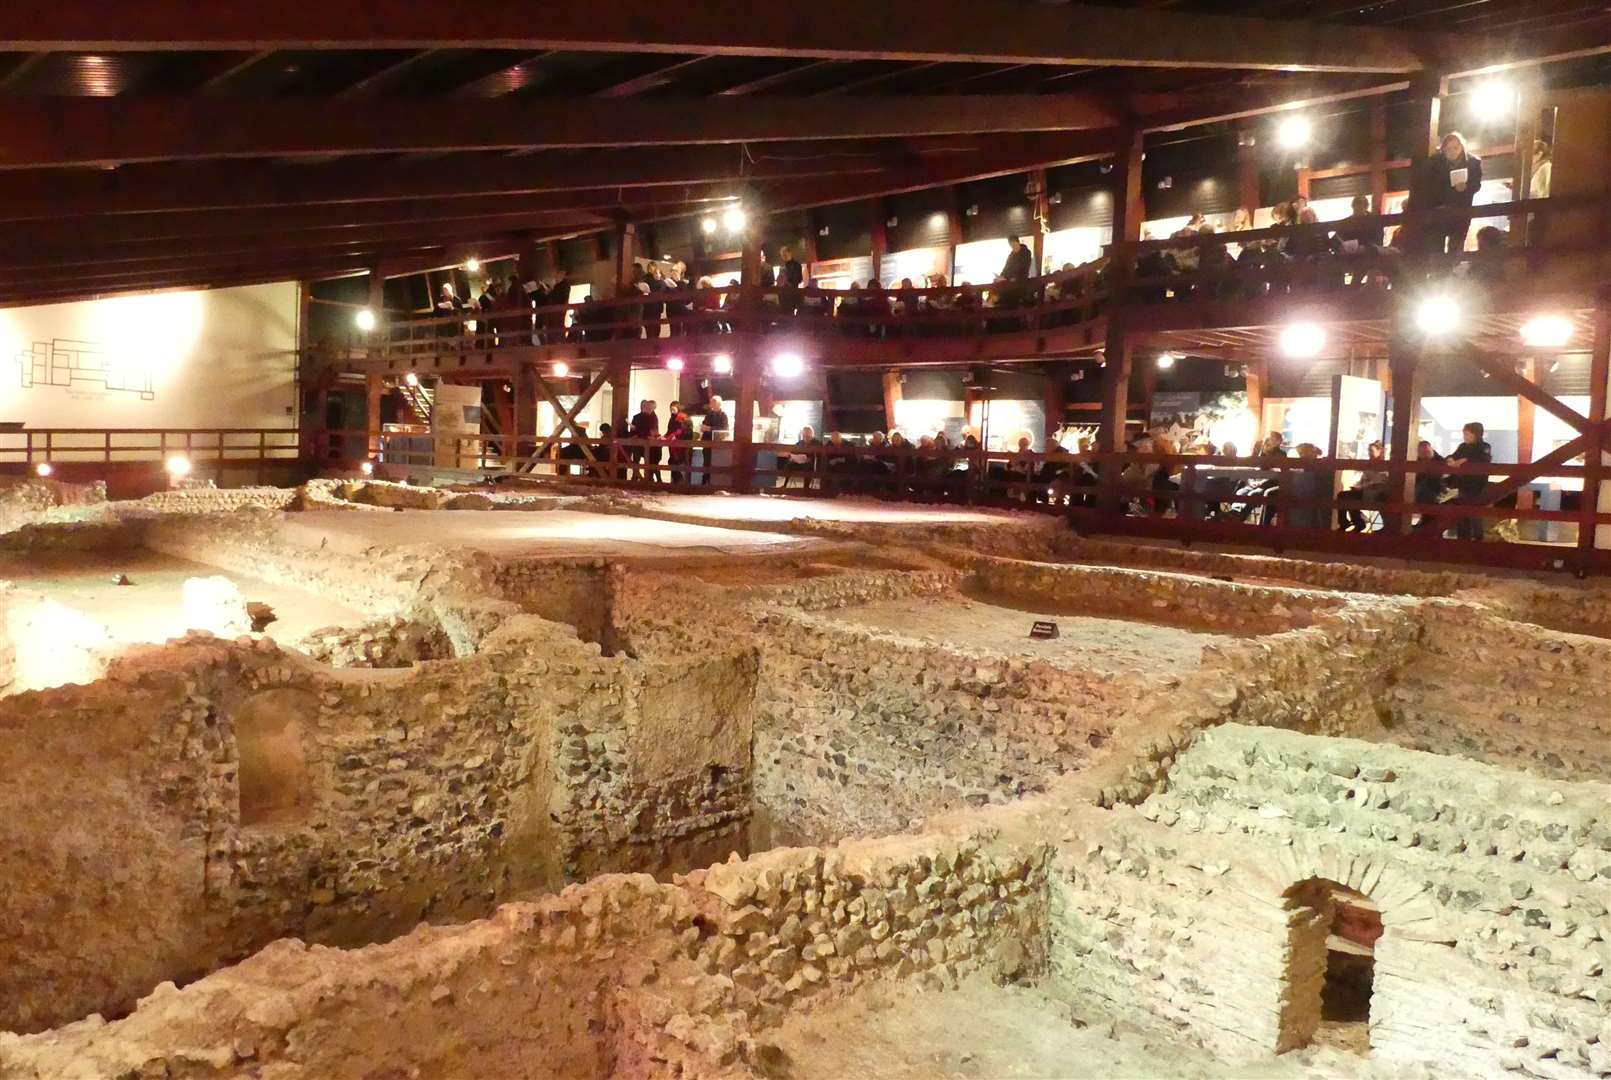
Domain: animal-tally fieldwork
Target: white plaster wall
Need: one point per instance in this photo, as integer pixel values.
(214, 358)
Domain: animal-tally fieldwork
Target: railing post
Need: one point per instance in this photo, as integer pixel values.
(1403, 357)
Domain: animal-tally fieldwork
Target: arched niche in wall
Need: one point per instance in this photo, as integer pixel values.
(275, 786)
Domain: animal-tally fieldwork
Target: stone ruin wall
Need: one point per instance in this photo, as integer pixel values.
(1492, 889)
(1508, 693)
(618, 976)
(223, 795)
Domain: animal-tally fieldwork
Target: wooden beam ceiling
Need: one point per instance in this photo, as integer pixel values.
(976, 31)
(53, 132)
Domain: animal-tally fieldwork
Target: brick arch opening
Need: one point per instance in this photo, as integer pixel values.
(273, 772)
(1330, 966)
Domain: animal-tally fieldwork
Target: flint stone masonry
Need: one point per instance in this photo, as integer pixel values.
(31, 500)
(427, 793)
(1507, 693)
(620, 976)
(1164, 853)
(1492, 888)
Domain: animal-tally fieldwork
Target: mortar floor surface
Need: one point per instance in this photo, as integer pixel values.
(980, 1031)
(1083, 640)
(525, 533)
(151, 609)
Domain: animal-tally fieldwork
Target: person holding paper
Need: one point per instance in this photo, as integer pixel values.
(1455, 177)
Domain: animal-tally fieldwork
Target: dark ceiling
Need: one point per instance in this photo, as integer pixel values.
(153, 145)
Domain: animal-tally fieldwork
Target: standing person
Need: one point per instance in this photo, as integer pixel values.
(558, 298)
(677, 430)
(791, 276)
(1538, 186)
(713, 429)
(645, 425)
(1015, 273)
(1469, 480)
(448, 303)
(1454, 177)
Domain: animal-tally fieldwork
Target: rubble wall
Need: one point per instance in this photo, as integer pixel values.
(1492, 889)
(206, 798)
(621, 976)
(1507, 693)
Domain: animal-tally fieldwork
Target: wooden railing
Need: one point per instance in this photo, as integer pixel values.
(1287, 259)
(1040, 303)
(209, 451)
(1325, 256)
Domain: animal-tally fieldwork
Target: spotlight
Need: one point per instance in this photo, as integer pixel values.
(561, 369)
(1293, 132)
(472, 264)
(1166, 361)
(178, 466)
(367, 468)
(411, 379)
(787, 365)
(707, 225)
(1493, 100)
(734, 219)
(673, 363)
(722, 364)
(1303, 341)
(43, 469)
(365, 320)
(1547, 331)
(1437, 316)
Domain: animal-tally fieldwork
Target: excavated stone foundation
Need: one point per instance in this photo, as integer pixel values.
(784, 797)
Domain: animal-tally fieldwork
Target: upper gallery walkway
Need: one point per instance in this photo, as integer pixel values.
(1210, 291)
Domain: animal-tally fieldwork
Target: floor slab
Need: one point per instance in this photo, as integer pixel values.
(1086, 641)
(526, 534)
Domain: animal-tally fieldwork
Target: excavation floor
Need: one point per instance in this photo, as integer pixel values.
(1084, 641)
(151, 609)
(529, 534)
(984, 1032)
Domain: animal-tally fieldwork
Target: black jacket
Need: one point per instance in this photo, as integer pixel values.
(1440, 191)
(1018, 264)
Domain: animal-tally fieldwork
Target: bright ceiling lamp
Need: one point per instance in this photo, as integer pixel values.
(1166, 361)
(722, 364)
(560, 369)
(1437, 316)
(1303, 340)
(1547, 331)
(1493, 100)
(364, 319)
(1294, 132)
(734, 219)
(787, 365)
(674, 363)
(707, 225)
(472, 264)
(43, 469)
(178, 465)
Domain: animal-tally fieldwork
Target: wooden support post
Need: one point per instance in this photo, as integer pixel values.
(620, 376)
(374, 390)
(880, 238)
(626, 254)
(1041, 211)
(1055, 400)
(1119, 355)
(1403, 358)
(1526, 413)
(1378, 158)
(1129, 210)
(525, 410)
(1258, 380)
(377, 294)
(1596, 492)
(892, 397)
(1249, 195)
(746, 368)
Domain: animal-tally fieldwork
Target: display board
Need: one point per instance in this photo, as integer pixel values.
(202, 359)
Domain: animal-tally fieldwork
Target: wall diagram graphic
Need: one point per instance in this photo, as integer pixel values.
(67, 364)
